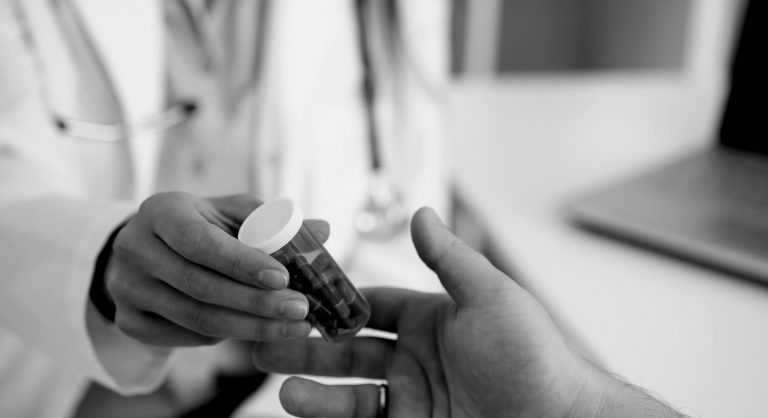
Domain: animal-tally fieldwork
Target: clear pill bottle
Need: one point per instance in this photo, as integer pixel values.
(336, 308)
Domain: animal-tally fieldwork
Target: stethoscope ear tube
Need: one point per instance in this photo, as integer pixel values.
(104, 97)
(152, 125)
(384, 214)
(362, 13)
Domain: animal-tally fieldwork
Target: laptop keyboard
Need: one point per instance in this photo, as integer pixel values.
(726, 181)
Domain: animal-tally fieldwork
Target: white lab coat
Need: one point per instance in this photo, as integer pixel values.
(300, 134)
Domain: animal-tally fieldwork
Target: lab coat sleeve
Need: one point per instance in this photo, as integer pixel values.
(58, 204)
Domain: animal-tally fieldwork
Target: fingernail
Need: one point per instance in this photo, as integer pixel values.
(274, 279)
(293, 309)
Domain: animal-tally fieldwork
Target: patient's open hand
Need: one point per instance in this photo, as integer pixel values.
(487, 349)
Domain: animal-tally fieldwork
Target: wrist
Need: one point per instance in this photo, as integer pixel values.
(603, 395)
(624, 399)
(596, 387)
(98, 292)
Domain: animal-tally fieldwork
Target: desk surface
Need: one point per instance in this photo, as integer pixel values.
(523, 146)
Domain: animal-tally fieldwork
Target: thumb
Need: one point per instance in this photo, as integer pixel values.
(236, 207)
(469, 278)
(320, 228)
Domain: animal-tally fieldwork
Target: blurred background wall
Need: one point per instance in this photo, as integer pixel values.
(513, 36)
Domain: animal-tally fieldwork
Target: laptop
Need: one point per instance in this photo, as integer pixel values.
(710, 207)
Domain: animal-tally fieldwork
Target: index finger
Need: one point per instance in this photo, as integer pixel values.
(387, 305)
(359, 357)
(188, 233)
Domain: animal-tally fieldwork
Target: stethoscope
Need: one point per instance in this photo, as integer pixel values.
(383, 215)
(149, 126)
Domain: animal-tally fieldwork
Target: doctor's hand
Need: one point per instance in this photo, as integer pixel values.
(178, 276)
(487, 349)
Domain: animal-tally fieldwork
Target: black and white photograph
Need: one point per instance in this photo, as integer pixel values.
(383, 208)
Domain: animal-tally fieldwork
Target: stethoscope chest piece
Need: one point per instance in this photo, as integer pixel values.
(384, 215)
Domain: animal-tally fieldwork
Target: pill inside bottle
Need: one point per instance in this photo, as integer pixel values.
(336, 307)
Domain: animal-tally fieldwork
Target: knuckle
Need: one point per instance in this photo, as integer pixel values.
(262, 332)
(258, 303)
(160, 199)
(160, 205)
(195, 284)
(148, 204)
(237, 265)
(117, 286)
(152, 202)
(121, 250)
(199, 320)
(271, 331)
(128, 243)
(122, 322)
(191, 239)
(130, 326)
(116, 290)
(121, 246)
(139, 293)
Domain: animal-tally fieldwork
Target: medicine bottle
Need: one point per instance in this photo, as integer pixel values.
(336, 308)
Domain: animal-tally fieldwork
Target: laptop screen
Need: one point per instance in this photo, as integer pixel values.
(742, 126)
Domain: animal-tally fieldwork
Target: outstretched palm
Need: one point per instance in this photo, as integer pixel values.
(486, 349)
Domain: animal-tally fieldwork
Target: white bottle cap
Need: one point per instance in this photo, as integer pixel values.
(271, 225)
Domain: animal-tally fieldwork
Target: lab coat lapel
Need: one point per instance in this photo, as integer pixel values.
(76, 82)
(63, 85)
(213, 59)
